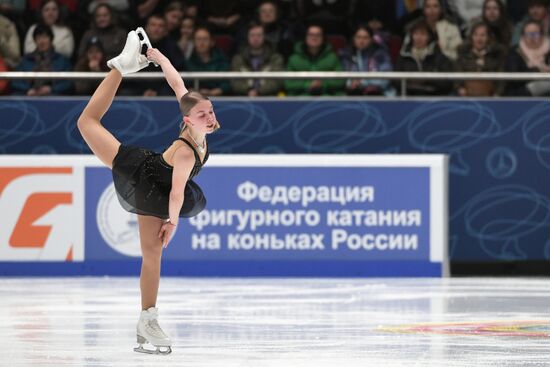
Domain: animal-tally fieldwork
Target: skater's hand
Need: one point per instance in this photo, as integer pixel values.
(154, 55)
(165, 233)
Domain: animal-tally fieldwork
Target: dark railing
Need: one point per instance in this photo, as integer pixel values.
(403, 77)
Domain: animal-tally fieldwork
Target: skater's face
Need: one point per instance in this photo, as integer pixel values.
(202, 117)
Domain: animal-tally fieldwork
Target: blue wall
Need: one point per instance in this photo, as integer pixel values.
(499, 150)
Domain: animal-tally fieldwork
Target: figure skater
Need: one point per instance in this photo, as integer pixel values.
(157, 187)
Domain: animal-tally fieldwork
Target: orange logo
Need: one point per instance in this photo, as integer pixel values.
(37, 205)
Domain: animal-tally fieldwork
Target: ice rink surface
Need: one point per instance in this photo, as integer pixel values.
(280, 322)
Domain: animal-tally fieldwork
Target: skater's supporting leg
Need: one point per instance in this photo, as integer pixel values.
(148, 329)
(151, 250)
(102, 143)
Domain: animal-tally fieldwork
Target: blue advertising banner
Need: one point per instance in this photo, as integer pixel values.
(299, 215)
(499, 150)
(296, 219)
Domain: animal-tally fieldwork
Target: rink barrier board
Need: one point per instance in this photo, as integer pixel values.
(498, 148)
(86, 251)
(230, 269)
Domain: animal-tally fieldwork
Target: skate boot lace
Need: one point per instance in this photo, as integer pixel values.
(153, 327)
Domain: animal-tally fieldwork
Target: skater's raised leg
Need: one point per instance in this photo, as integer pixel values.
(102, 143)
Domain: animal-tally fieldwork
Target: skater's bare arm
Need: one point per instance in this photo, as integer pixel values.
(170, 73)
(183, 161)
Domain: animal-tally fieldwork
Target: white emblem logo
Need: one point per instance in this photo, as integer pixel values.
(118, 227)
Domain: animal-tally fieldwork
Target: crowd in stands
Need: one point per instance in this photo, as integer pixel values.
(282, 35)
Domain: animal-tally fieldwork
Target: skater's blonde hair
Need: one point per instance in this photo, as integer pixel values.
(187, 102)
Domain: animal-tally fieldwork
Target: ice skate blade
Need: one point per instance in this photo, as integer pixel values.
(166, 351)
(144, 42)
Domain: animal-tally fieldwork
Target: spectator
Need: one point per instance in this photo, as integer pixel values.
(104, 27)
(257, 55)
(146, 8)
(185, 41)
(92, 60)
(4, 84)
(44, 58)
(120, 6)
(66, 7)
(13, 9)
(537, 10)
(466, 11)
(516, 9)
(422, 53)
(191, 9)
(314, 54)
(494, 14)
(158, 35)
(173, 15)
(63, 36)
(531, 55)
(277, 30)
(365, 54)
(125, 10)
(446, 33)
(9, 43)
(207, 57)
(480, 53)
(406, 12)
(222, 16)
(332, 15)
(379, 15)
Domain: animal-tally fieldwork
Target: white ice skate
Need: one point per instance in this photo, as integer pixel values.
(144, 43)
(149, 331)
(130, 59)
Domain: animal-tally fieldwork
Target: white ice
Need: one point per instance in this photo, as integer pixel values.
(271, 322)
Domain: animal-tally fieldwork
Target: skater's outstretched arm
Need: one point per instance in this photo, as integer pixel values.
(170, 73)
(183, 161)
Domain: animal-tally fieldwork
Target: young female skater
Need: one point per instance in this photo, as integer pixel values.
(157, 187)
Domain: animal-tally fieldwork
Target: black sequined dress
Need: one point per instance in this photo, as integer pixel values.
(143, 181)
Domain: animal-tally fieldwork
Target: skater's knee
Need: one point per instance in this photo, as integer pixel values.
(151, 251)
